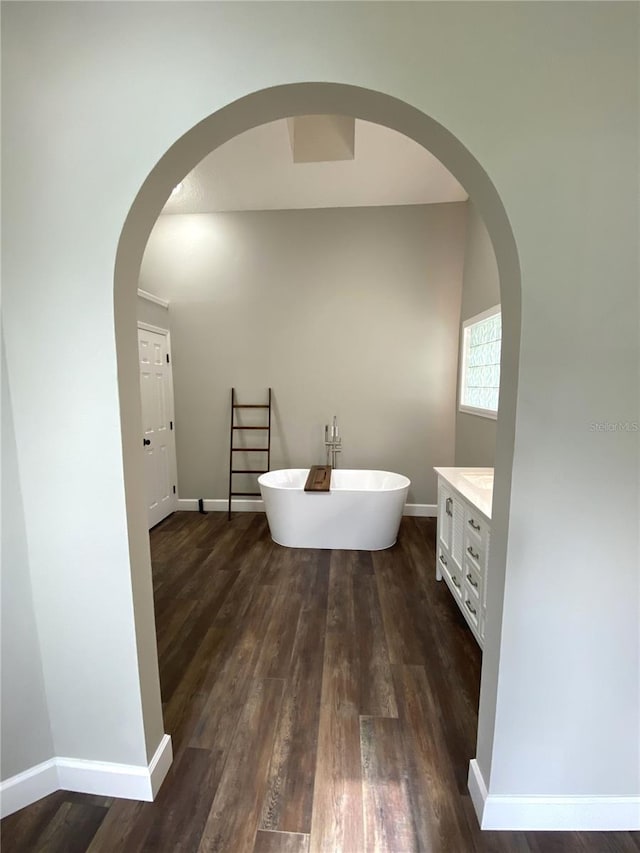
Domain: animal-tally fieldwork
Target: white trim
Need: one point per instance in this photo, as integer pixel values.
(477, 789)
(542, 813)
(151, 297)
(160, 764)
(483, 315)
(483, 413)
(187, 504)
(27, 787)
(421, 510)
(257, 505)
(127, 781)
(222, 504)
(104, 778)
(159, 330)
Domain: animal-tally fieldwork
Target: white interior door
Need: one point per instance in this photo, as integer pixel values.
(158, 435)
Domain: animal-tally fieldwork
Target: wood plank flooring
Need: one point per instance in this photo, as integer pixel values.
(318, 701)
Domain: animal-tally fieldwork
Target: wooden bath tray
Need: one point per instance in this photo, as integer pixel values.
(319, 479)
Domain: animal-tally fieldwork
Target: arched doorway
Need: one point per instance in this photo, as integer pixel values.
(255, 109)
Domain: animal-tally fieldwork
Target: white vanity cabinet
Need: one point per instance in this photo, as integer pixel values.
(450, 529)
(463, 540)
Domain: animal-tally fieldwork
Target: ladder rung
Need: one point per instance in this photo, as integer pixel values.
(266, 447)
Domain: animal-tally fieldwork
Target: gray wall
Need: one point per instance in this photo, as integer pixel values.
(26, 735)
(352, 312)
(476, 435)
(149, 312)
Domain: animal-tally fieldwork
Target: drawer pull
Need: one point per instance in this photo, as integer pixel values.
(475, 555)
(473, 524)
(455, 580)
(469, 607)
(473, 583)
(442, 559)
(448, 504)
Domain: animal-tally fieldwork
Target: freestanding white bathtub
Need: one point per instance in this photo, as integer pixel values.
(362, 511)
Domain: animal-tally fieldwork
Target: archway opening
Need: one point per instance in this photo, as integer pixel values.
(256, 109)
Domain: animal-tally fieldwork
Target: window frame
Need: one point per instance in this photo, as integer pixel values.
(464, 351)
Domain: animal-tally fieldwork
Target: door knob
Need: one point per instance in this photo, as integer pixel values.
(146, 441)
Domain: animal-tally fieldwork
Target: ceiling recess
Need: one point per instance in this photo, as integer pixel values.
(322, 138)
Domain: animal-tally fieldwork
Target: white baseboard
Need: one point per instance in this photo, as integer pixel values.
(257, 505)
(222, 505)
(27, 787)
(542, 813)
(160, 764)
(421, 510)
(477, 789)
(187, 504)
(104, 778)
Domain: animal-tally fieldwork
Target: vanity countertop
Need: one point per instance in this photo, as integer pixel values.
(474, 484)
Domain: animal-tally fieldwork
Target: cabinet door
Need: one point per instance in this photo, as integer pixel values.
(445, 515)
(457, 532)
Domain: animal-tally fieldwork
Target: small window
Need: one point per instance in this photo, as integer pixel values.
(480, 363)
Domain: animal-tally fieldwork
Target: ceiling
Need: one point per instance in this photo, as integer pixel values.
(256, 171)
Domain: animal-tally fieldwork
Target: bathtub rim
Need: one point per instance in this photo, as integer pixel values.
(404, 484)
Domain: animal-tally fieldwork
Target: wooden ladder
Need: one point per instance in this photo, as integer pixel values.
(237, 428)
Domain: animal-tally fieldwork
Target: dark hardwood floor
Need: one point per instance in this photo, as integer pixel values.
(317, 701)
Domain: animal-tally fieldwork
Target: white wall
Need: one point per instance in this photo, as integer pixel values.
(26, 736)
(545, 97)
(475, 435)
(100, 677)
(351, 311)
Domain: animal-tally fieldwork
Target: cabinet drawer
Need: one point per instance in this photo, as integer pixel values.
(474, 523)
(474, 553)
(471, 606)
(473, 578)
